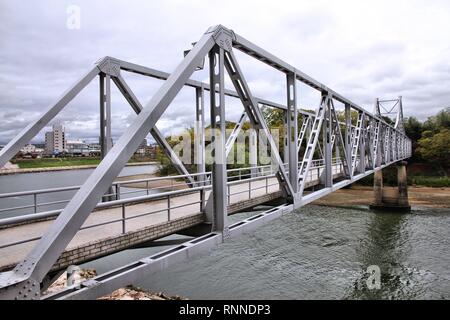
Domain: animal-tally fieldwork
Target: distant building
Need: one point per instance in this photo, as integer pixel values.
(55, 141)
(29, 148)
(94, 149)
(77, 148)
(143, 143)
(30, 151)
(142, 149)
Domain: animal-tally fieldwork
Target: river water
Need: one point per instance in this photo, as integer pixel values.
(55, 179)
(316, 253)
(313, 253)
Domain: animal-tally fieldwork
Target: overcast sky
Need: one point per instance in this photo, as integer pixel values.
(361, 49)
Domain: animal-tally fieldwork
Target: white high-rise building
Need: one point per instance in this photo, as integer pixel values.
(55, 141)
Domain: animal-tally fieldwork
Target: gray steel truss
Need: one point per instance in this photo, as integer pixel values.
(368, 145)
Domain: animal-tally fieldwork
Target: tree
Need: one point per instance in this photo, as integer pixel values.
(413, 128)
(441, 120)
(435, 148)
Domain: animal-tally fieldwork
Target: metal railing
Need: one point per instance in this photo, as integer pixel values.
(265, 175)
(140, 186)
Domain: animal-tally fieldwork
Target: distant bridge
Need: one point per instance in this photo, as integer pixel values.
(323, 152)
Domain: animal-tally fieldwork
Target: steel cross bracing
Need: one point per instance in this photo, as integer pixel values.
(365, 146)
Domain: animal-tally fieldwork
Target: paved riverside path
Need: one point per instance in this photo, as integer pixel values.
(238, 194)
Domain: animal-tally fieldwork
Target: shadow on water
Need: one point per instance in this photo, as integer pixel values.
(387, 246)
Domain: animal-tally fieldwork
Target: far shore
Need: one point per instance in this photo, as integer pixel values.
(363, 196)
(62, 168)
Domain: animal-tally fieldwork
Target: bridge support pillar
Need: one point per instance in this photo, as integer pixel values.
(402, 182)
(394, 201)
(378, 187)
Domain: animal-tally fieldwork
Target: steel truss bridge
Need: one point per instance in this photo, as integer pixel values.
(351, 145)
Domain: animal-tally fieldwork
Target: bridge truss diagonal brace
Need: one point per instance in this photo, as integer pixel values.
(301, 135)
(357, 141)
(340, 139)
(42, 257)
(257, 120)
(312, 142)
(156, 134)
(234, 134)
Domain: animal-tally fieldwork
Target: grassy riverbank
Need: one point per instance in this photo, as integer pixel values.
(64, 162)
(55, 162)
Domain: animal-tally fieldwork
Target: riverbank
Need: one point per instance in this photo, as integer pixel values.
(10, 171)
(128, 293)
(363, 196)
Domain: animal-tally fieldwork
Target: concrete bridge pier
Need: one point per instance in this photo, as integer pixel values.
(396, 200)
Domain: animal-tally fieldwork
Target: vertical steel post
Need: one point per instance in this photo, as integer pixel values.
(217, 107)
(200, 134)
(362, 145)
(105, 121)
(105, 114)
(328, 152)
(348, 138)
(292, 130)
(286, 136)
(200, 139)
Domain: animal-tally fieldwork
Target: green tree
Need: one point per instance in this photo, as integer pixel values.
(435, 149)
(413, 128)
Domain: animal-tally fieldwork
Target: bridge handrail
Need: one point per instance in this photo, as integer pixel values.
(260, 173)
(124, 202)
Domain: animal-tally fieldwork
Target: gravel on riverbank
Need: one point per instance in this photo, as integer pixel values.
(128, 293)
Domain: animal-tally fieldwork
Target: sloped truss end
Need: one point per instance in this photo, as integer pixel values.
(223, 37)
(109, 66)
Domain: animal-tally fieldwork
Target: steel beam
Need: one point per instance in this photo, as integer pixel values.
(234, 134)
(312, 143)
(348, 138)
(105, 122)
(217, 112)
(328, 153)
(200, 135)
(105, 114)
(292, 130)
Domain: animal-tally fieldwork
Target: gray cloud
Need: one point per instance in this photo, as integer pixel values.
(361, 50)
